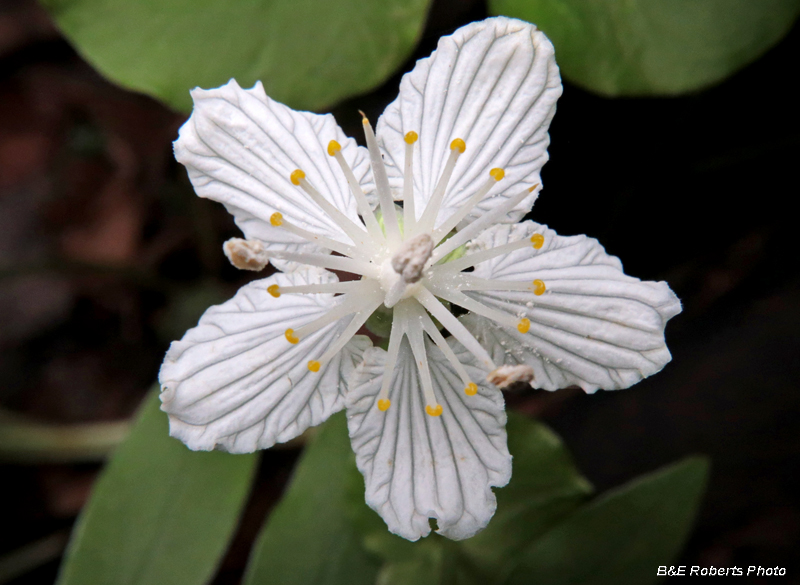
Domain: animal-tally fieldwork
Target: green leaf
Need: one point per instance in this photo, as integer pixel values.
(654, 47)
(545, 487)
(308, 53)
(311, 536)
(159, 513)
(623, 536)
(438, 562)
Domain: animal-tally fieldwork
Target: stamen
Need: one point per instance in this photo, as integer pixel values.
(476, 307)
(455, 219)
(524, 325)
(277, 220)
(328, 287)
(506, 375)
(246, 254)
(348, 226)
(417, 343)
(477, 226)
(291, 337)
(409, 213)
(538, 241)
(384, 404)
(454, 326)
(484, 255)
(368, 305)
(314, 366)
(395, 337)
(328, 261)
(466, 281)
(382, 185)
(433, 332)
(538, 287)
(274, 290)
(428, 220)
(471, 389)
(434, 410)
(351, 303)
(334, 149)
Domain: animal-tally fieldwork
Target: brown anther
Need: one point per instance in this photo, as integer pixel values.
(246, 254)
(507, 375)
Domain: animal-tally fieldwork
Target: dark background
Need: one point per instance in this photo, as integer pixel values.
(106, 255)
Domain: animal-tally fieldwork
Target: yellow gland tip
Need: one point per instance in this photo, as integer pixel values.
(334, 147)
(523, 325)
(411, 137)
(538, 287)
(497, 174)
(276, 219)
(471, 389)
(274, 290)
(290, 336)
(458, 145)
(532, 189)
(384, 404)
(537, 240)
(313, 365)
(296, 175)
(434, 410)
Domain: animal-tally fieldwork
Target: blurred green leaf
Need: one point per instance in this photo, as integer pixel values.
(308, 53)
(654, 47)
(545, 488)
(159, 513)
(623, 536)
(23, 440)
(311, 536)
(438, 561)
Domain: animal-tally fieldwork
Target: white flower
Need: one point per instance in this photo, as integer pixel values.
(461, 147)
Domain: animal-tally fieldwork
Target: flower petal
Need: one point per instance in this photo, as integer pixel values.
(417, 466)
(493, 83)
(593, 326)
(235, 383)
(240, 147)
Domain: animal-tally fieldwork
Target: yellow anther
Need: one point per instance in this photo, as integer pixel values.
(434, 410)
(538, 287)
(296, 175)
(471, 389)
(458, 145)
(497, 174)
(411, 137)
(274, 290)
(384, 404)
(290, 336)
(537, 240)
(523, 325)
(313, 365)
(276, 219)
(334, 147)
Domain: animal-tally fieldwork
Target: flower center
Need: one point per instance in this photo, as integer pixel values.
(404, 269)
(401, 274)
